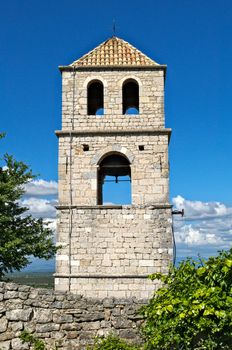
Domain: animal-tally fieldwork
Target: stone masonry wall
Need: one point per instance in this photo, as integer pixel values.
(108, 251)
(149, 168)
(151, 99)
(62, 319)
(113, 250)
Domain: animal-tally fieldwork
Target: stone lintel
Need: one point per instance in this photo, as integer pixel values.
(97, 207)
(94, 132)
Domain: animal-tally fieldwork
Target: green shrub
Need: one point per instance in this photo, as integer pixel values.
(193, 308)
(27, 337)
(112, 342)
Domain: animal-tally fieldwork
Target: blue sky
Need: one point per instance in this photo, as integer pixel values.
(192, 37)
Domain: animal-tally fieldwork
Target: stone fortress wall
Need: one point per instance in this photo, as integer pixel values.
(64, 320)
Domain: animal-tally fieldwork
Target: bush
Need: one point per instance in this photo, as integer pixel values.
(112, 342)
(27, 337)
(193, 309)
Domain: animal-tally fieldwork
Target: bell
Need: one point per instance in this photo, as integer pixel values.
(115, 165)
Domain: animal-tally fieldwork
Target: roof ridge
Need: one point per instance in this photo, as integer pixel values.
(108, 53)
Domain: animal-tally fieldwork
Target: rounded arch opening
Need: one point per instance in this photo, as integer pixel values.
(95, 98)
(114, 180)
(130, 97)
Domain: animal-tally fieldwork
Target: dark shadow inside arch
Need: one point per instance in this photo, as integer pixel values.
(130, 97)
(95, 97)
(114, 180)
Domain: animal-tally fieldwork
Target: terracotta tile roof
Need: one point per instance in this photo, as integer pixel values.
(114, 52)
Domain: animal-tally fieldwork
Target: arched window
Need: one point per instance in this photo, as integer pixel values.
(95, 97)
(130, 97)
(114, 180)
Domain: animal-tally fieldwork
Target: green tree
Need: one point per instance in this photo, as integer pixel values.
(193, 308)
(20, 234)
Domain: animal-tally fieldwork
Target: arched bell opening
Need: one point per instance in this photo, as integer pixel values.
(95, 98)
(114, 180)
(130, 97)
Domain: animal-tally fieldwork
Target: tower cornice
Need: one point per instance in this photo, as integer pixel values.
(110, 68)
(160, 67)
(165, 131)
(151, 206)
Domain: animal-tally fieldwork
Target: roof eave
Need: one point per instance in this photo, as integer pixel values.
(113, 67)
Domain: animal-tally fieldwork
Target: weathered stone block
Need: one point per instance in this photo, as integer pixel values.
(17, 344)
(3, 324)
(23, 295)
(16, 326)
(11, 294)
(62, 318)
(43, 316)
(71, 326)
(8, 335)
(48, 327)
(24, 288)
(19, 315)
(5, 345)
(11, 286)
(57, 335)
(72, 335)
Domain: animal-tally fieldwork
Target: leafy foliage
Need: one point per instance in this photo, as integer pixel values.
(31, 339)
(20, 235)
(193, 308)
(112, 342)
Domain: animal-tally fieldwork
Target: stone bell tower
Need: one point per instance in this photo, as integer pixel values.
(113, 128)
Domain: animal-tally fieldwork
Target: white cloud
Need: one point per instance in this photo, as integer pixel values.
(201, 210)
(41, 188)
(205, 228)
(40, 199)
(39, 207)
(196, 236)
(51, 224)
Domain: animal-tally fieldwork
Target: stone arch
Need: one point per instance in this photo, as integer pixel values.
(92, 78)
(98, 96)
(95, 98)
(112, 149)
(114, 179)
(128, 77)
(130, 87)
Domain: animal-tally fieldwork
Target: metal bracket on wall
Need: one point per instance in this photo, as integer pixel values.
(178, 212)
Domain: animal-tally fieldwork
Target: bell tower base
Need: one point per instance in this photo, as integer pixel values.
(112, 250)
